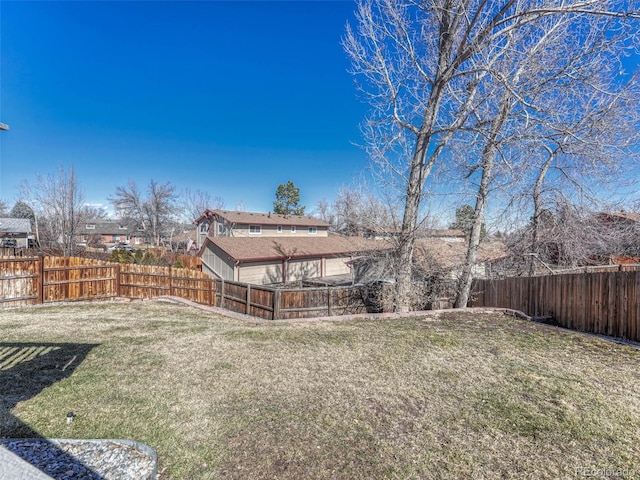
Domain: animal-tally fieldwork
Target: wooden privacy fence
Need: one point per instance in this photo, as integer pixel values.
(44, 279)
(275, 303)
(606, 303)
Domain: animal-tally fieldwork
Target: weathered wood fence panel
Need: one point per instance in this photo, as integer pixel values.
(43, 279)
(69, 279)
(254, 300)
(18, 281)
(605, 303)
(193, 285)
(144, 281)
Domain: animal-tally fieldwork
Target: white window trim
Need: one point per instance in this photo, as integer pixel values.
(279, 229)
(255, 227)
(293, 229)
(313, 230)
(220, 228)
(90, 226)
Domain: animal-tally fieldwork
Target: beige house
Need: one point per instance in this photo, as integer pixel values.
(441, 253)
(224, 223)
(263, 248)
(278, 260)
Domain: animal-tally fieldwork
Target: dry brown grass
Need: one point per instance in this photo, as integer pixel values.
(459, 395)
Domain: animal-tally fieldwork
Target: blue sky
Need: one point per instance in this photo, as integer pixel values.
(231, 98)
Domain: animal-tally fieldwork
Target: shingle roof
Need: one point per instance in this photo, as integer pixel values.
(108, 227)
(437, 253)
(632, 216)
(444, 233)
(15, 225)
(245, 249)
(258, 218)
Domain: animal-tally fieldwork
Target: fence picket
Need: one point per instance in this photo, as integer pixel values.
(603, 302)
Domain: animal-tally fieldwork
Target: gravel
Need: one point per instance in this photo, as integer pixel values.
(87, 459)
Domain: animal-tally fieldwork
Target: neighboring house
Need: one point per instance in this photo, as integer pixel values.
(445, 256)
(107, 232)
(390, 232)
(622, 229)
(619, 218)
(224, 223)
(440, 254)
(278, 260)
(185, 240)
(15, 229)
(447, 235)
(379, 233)
(263, 248)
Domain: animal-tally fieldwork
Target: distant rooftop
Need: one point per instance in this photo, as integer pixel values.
(15, 225)
(246, 249)
(261, 218)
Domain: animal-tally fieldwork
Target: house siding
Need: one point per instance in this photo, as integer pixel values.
(203, 232)
(213, 264)
(267, 231)
(336, 266)
(302, 269)
(260, 273)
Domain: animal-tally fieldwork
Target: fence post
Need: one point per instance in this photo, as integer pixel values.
(40, 285)
(118, 281)
(222, 294)
(170, 281)
(328, 300)
(276, 304)
(212, 300)
(248, 308)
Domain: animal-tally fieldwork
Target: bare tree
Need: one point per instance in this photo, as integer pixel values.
(575, 235)
(153, 212)
(4, 208)
(426, 69)
(585, 155)
(95, 212)
(358, 211)
(192, 204)
(59, 211)
(323, 211)
(546, 87)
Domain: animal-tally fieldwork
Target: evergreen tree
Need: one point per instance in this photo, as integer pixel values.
(464, 221)
(287, 200)
(22, 210)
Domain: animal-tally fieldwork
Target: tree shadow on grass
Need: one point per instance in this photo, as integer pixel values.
(26, 369)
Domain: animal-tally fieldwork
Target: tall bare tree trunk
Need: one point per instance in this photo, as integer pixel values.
(537, 213)
(487, 162)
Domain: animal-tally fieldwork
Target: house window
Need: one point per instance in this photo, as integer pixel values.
(293, 229)
(255, 229)
(221, 229)
(122, 227)
(91, 226)
(279, 228)
(204, 227)
(313, 230)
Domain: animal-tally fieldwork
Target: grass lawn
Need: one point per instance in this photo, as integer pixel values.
(458, 395)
